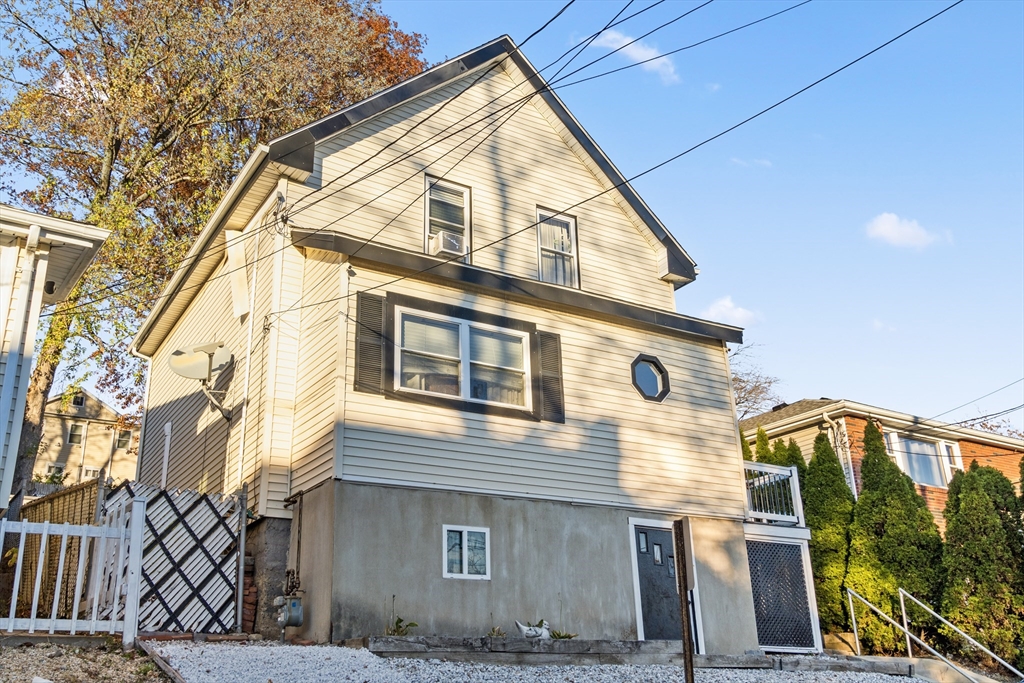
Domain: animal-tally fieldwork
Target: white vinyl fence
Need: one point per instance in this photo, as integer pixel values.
(104, 565)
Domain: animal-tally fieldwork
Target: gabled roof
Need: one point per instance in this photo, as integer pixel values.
(807, 412)
(95, 407)
(294, 154)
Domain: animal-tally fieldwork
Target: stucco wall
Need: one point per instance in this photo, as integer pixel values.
(569, 564)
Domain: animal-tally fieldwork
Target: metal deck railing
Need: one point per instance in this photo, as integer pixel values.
(773, 494)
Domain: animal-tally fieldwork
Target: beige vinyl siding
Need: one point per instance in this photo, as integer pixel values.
(99, 441)
(5, 344)
(804, 438)
(522, 166)
(313, 452)
(615, 448)
(199, 434)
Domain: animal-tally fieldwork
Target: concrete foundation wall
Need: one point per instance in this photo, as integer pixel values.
(723, 584)
(568, 564)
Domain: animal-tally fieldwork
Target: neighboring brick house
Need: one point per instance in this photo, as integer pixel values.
(81, 438)
(927, 450)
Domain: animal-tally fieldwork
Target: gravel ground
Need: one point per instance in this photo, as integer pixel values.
(76, 665)
(272, 663)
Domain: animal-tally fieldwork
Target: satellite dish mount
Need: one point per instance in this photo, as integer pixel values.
(200, 363)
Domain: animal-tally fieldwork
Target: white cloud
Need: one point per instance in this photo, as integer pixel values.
(764, 163)
(724, 310)
(639, 52)
(879, 326)
(901, 232)
(713, 87)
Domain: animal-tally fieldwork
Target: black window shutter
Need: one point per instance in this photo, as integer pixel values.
(370, 310)
(552, 401)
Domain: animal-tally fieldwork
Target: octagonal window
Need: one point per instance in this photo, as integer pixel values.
(650, 378)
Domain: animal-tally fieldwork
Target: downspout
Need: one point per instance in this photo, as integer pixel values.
(145, 411)
(842, 446)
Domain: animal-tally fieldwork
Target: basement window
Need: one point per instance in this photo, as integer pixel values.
(467, 552)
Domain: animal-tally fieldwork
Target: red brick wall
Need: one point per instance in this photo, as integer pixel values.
(935, 497)
(1005, 460)
(855, 427)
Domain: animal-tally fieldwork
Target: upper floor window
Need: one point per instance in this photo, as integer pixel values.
(78, 400)
(462, 359)
(929, 463)
(556, 236)
(448, 218)
(75, 434)
(124, 439)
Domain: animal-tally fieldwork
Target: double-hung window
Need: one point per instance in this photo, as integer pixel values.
(448, 209)
(75, 434)
(467, 552)
(556, 236)
(462, 359)
(124, 439)
(928, 463)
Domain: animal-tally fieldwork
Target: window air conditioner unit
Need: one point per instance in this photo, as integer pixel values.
(445, 243)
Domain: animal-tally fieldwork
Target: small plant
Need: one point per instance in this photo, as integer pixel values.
(496, 632)
(12, 557)
(562, 635)
(400, 627)
(146, 668)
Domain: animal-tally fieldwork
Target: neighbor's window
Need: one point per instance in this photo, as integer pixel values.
(90, 472)
(124, 439)
(460, 359)
(447, 208)
(557, 244)
(54, 468)
(75, 435)
(923, 463)
(467, 552)
(78, 400)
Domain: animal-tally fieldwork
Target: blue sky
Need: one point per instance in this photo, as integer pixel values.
(869, 234)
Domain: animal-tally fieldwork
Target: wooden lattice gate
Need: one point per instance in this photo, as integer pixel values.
(191, 564)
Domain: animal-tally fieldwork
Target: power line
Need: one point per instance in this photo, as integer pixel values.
(658, 165)
(421, 147)
(946, 412)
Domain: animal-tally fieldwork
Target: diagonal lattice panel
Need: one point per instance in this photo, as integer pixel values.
(190, 559)
(780, 595)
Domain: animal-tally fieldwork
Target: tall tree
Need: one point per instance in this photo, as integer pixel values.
(893, 538)
(134, 115)
(982, 592)
(745, 447)
(828, 508)
(762, 447)
(755, 390)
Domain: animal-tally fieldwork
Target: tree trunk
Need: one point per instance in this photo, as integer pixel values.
(57, 335)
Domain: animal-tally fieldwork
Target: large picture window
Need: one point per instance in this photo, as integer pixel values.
(928, 463)
(451, 357)
(557, 249)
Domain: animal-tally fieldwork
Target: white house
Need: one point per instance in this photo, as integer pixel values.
(41, 260)
(459, 378)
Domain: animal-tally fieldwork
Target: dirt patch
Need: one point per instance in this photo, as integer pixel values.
(62, 664)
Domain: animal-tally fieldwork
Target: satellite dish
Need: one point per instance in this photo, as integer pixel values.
(201, 361)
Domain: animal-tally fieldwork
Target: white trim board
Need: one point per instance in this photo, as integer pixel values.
(698, 624)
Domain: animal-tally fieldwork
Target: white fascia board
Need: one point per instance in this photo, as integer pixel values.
(202, 243)
(896, 419)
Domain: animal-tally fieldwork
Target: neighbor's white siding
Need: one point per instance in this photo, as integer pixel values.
(522, 165)
(615, 448)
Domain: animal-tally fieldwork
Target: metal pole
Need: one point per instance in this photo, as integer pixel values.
(906, 627)
(853, 618)
(243, 502)
(679, 536)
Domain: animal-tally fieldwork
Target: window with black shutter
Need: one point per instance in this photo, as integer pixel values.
(424, 351)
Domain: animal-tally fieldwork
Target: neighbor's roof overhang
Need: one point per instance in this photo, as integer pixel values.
(71, 246)
(891, 418)
(294, 155)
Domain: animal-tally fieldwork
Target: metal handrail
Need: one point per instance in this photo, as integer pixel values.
(938, 616)
(851, 594)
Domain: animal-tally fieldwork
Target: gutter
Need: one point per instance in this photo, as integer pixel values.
(253, 168)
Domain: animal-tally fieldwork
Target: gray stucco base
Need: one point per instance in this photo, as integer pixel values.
(565, 563)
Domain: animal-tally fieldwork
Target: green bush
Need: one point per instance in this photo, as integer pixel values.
(828, 508)
(745, 447)
(982, 594)
(893, 540)
(762, 449)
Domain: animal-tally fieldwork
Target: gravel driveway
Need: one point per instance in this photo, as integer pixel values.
(272, 663)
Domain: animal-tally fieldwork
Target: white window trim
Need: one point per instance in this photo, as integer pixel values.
(899, 453)
(78, 397)
(467, 206)
(465, 575)
(117, 440)
(541, 214)
(52, 467)
(70, 428)
(464, 375)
